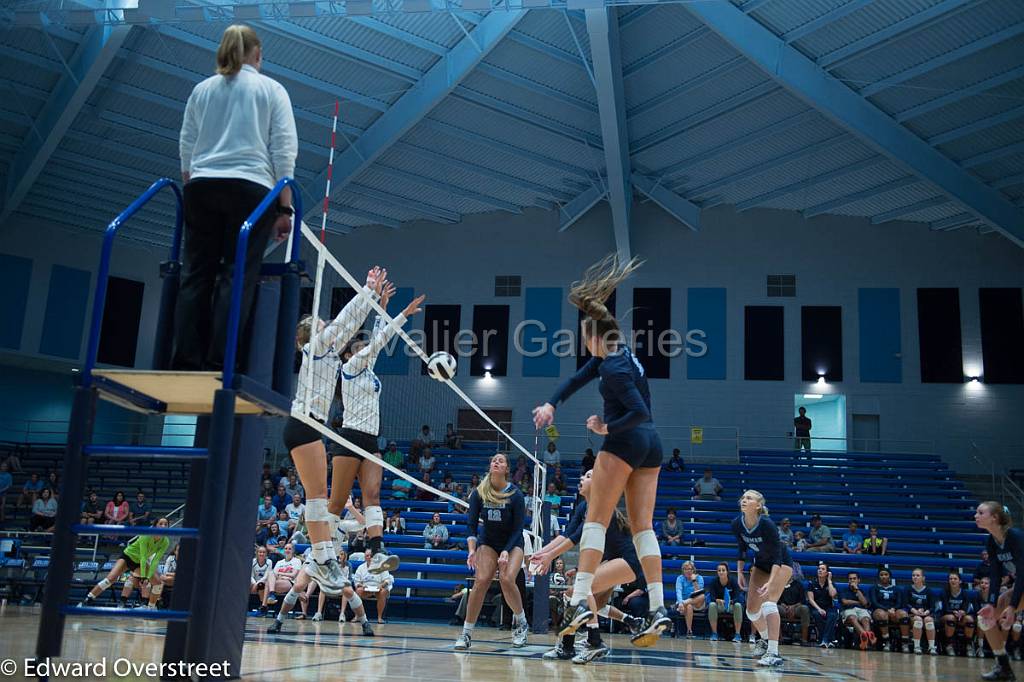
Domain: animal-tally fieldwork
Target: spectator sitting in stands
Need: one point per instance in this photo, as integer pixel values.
(425, 495)
(139, 511)
(259, 575)
(357, 545)
(559, 480)
(274, 541)
(853, 541)
(889, 609)
(6, 482)
(267, 474)
(116, 511)
(786, 533)
(452, 438)
(369, 584)
(556, 601)
(448, 485)
(690, 595)
(923, 606)
(671, 529)
(281, 499)
(13, 463)
(265, 514)
(800, 541)
(170, 568)
(855, 610)
(821, 595)
(588, 461)
(676, 462)
(53, 483)
(354, 511)
(723, 596)
(873, 544)
(707, 488)
(983, 569)
(400, 488)
(820, 538)
(421, 440)
(283, 576)
(792, 607)
(427, 461)
(634, 599)
(958, 611)
(293, 487)
(30, 491)
(295, 510)
(552, 457)
(44, 512)
(552, 497)
(395, 523)
(435, 535)
(92, 512)
(392, 455)
(521, 471)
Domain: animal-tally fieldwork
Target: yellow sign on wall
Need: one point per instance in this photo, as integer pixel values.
(552, 433)
(697, 435)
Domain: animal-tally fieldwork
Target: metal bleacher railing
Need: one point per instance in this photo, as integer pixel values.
(232, 393)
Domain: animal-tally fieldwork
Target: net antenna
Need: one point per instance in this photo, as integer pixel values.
(325, 259)
(330, 173)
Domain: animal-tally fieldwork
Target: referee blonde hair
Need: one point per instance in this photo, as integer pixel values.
(762, 506)
(486, 491)
(590, 293)
(236, 45)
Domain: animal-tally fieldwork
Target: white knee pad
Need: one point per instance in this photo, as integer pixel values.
(984, 624)
(291, 597)
(103, 584)
(158, 588)
(316, 510)
(605, 611)
(374, 517)
(355, 602)
(646, 543)
(769, 607)
(754, 616)
(918, 622)
(929, 626)
(592, 537)
(1016, 627)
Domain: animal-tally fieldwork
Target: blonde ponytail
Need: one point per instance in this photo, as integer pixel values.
(488, 495)
(236, 45)
(590, 293)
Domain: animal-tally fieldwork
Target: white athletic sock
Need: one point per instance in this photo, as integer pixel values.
(773, 646)
(581, 588)
(323, 551)
(362, 618)
(467, 628)
(999, 652)
(520, 618)
(656, 595)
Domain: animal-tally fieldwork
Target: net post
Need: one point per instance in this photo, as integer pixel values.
(542, 583)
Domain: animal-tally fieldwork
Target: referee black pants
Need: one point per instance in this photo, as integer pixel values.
(214, 211)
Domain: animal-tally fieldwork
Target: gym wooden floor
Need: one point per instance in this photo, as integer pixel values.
(405, 652)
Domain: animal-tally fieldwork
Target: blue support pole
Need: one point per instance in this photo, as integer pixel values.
(542, 583)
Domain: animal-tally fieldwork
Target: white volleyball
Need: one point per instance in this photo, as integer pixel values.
(441, 366)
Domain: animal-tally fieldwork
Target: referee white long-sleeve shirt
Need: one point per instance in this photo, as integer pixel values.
(239, 127)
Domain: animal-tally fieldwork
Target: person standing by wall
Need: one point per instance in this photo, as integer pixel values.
(237, 140)
(802, 431)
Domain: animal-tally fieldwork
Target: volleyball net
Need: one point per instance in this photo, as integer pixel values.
(360, 368)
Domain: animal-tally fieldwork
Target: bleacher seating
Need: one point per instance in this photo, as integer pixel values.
(916, 501)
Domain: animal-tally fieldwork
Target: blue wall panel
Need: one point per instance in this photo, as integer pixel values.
(705, 311)
(15, 276)
(393, 359)
(543, 314)
(880, 344)
(64, 322)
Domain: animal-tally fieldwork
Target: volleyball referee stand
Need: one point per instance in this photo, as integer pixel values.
(231, 407)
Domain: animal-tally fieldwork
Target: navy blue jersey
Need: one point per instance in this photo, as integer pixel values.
(762, 541)
(618, 543)
(958, 602)
(1006, 557)
(887, 597)
(627, 399)
(923, 599)
(503, 522)
(849, 599)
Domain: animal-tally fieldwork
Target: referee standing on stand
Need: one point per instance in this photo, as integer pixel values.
(237, 140)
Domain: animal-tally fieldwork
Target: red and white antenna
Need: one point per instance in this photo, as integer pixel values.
(330, 171)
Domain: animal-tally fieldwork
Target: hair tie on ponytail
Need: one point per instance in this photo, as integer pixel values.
(1006, 510)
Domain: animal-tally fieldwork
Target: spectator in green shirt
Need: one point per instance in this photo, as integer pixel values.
(392, 456)
(141, 558)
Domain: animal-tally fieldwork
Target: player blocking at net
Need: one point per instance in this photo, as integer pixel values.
(315, 388)
(630, 458)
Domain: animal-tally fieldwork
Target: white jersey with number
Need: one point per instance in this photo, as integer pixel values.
(360, 387)
(321, 362)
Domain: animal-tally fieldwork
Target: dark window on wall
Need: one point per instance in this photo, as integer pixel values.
(938, 327)
(121, 316)
(340, 296)
(821, 342)
(305, 301)
(582, 354)
(490, 330)
(764, 349)
(440, 326)
(1002, 335)
(508, 286)
(652, 317)
(781, 286)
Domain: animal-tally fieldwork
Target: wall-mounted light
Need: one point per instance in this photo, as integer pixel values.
(487, 374)
(974, 380)
(813, 396)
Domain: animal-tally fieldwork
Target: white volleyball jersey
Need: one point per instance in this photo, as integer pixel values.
(360, 387)
(322, 354)
(259, 573)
